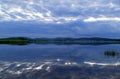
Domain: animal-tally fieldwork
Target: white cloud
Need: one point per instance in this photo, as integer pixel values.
(93, 19)
(57, 11)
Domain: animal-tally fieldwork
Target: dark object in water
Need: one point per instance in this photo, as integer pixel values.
(111, 53)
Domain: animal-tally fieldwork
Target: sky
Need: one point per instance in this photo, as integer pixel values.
(60, 18)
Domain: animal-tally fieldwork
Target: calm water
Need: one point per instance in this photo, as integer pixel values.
(58, 62)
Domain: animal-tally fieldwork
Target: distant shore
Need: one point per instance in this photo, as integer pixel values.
(60, 41)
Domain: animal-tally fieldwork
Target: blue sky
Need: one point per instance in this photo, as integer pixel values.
(60, 18)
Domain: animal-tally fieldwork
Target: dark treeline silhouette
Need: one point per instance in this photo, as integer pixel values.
(81, 41)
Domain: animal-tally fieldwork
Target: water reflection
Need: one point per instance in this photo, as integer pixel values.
(59, 61)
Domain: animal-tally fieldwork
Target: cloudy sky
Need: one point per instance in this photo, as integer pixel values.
(60, 18)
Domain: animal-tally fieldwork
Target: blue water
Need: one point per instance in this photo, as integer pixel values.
(77, 53)
(52, 61)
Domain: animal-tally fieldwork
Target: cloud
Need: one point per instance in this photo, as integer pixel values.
(58, 11)
(93, 19)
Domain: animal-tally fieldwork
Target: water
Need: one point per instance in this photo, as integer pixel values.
(51, 61)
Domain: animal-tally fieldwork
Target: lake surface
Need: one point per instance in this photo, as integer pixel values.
(52, 61)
